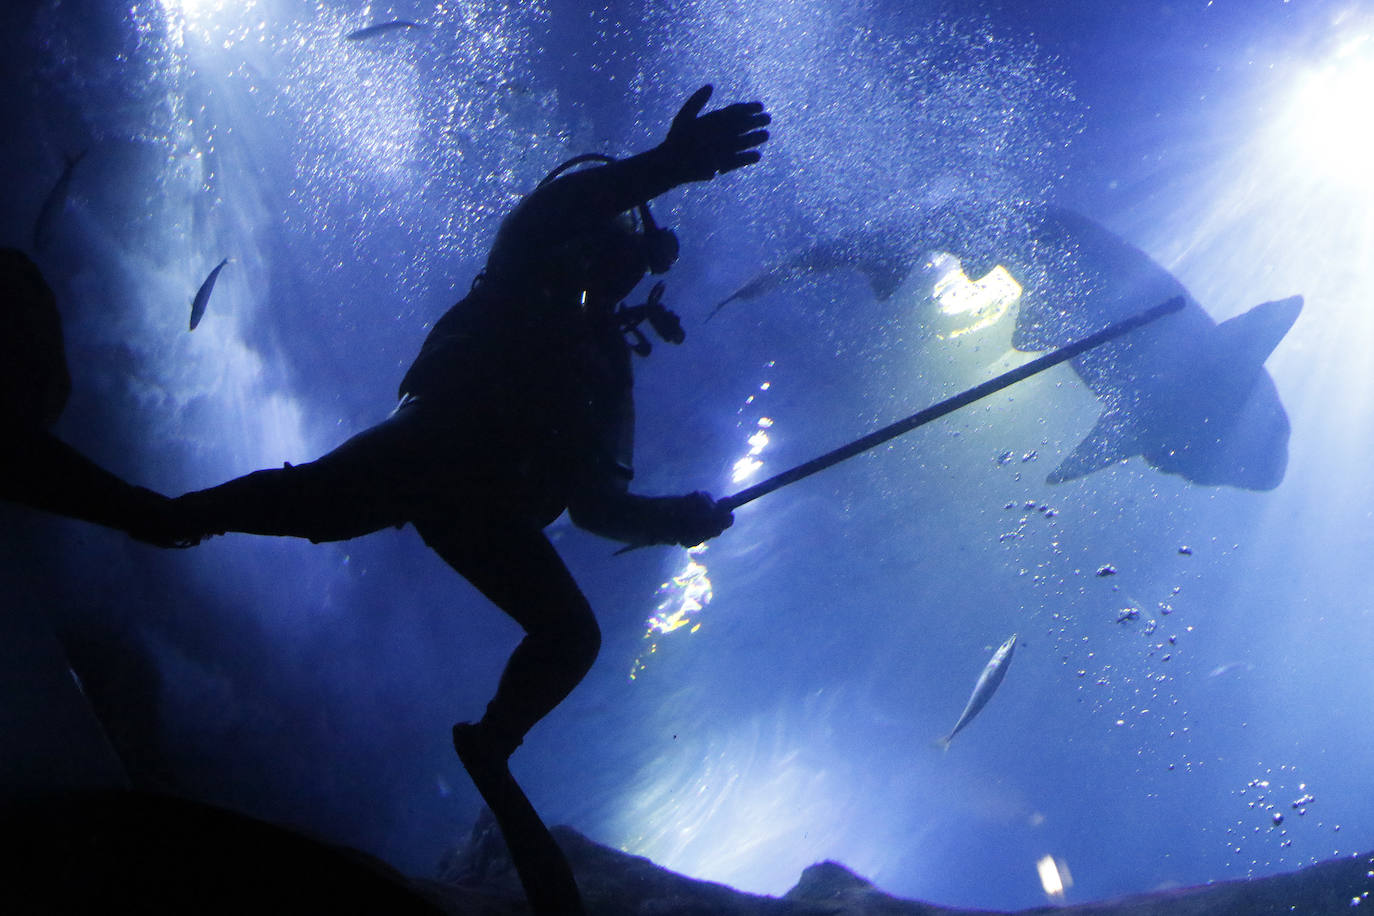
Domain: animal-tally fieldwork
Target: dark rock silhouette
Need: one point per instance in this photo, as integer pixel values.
(477, 878)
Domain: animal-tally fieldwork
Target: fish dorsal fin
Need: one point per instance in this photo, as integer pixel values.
(1253, 335)
(1112, 439)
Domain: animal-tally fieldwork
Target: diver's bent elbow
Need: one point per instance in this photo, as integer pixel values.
(598, 518)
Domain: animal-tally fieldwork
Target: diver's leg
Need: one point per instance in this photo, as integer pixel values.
(292, 501)
(359, 487)
(521, 573)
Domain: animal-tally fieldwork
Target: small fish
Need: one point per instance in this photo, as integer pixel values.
(382, 28)
(988, 682)
(1230, 668)
(203, 295)
(54, 204)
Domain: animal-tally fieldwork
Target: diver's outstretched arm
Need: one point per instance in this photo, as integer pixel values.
(698, 148)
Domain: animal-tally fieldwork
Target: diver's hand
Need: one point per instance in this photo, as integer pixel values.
(697, 518)
(158, 522)
(706, 145)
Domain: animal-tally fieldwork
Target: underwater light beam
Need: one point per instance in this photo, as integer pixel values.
(198, 11)
(1328, 120)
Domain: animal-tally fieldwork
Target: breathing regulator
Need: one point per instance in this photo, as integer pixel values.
(659, 247)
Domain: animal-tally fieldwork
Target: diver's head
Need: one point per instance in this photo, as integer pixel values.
(619, 262)
(611, 259)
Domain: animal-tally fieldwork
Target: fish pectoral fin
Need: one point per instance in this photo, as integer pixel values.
(1249, 338)
(1112, 440)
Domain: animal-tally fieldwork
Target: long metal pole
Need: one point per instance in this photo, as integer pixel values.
(935, 411)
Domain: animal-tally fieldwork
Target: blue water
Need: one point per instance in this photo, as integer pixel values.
(357, 185)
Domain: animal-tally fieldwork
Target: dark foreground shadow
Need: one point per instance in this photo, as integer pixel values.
(115, 851)
(130, 852)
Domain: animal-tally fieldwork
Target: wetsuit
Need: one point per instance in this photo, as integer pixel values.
(518, 407)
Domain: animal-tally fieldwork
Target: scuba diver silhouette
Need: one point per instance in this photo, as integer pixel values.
(517, 407)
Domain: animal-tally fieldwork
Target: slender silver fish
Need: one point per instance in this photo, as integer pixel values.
(992, 675)
(54, 204)
(203, 295)
(381, 28)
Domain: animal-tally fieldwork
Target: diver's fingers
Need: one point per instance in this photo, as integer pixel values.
(692, 107)
(738, 118)
(741, 152)
(738, 161)
(751, 140)
(718, 141)
(742, 110)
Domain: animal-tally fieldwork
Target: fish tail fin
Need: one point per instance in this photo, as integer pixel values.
(942, 743)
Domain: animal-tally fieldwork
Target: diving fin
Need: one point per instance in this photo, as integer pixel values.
(544, 871)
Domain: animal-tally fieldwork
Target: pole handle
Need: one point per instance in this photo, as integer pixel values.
(947, 406)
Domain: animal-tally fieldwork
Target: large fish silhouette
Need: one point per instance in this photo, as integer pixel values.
(1189, 395)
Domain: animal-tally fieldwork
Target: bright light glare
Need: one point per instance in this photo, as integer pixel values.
(680, 598)
(686, 593)
(191, 7)
(1054, 877)
(749, 464)
(201, 13)
(984, 301)
(745, 468)
(1329, 119)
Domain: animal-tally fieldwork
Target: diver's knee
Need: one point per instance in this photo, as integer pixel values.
(588, 639)
(578, 635)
